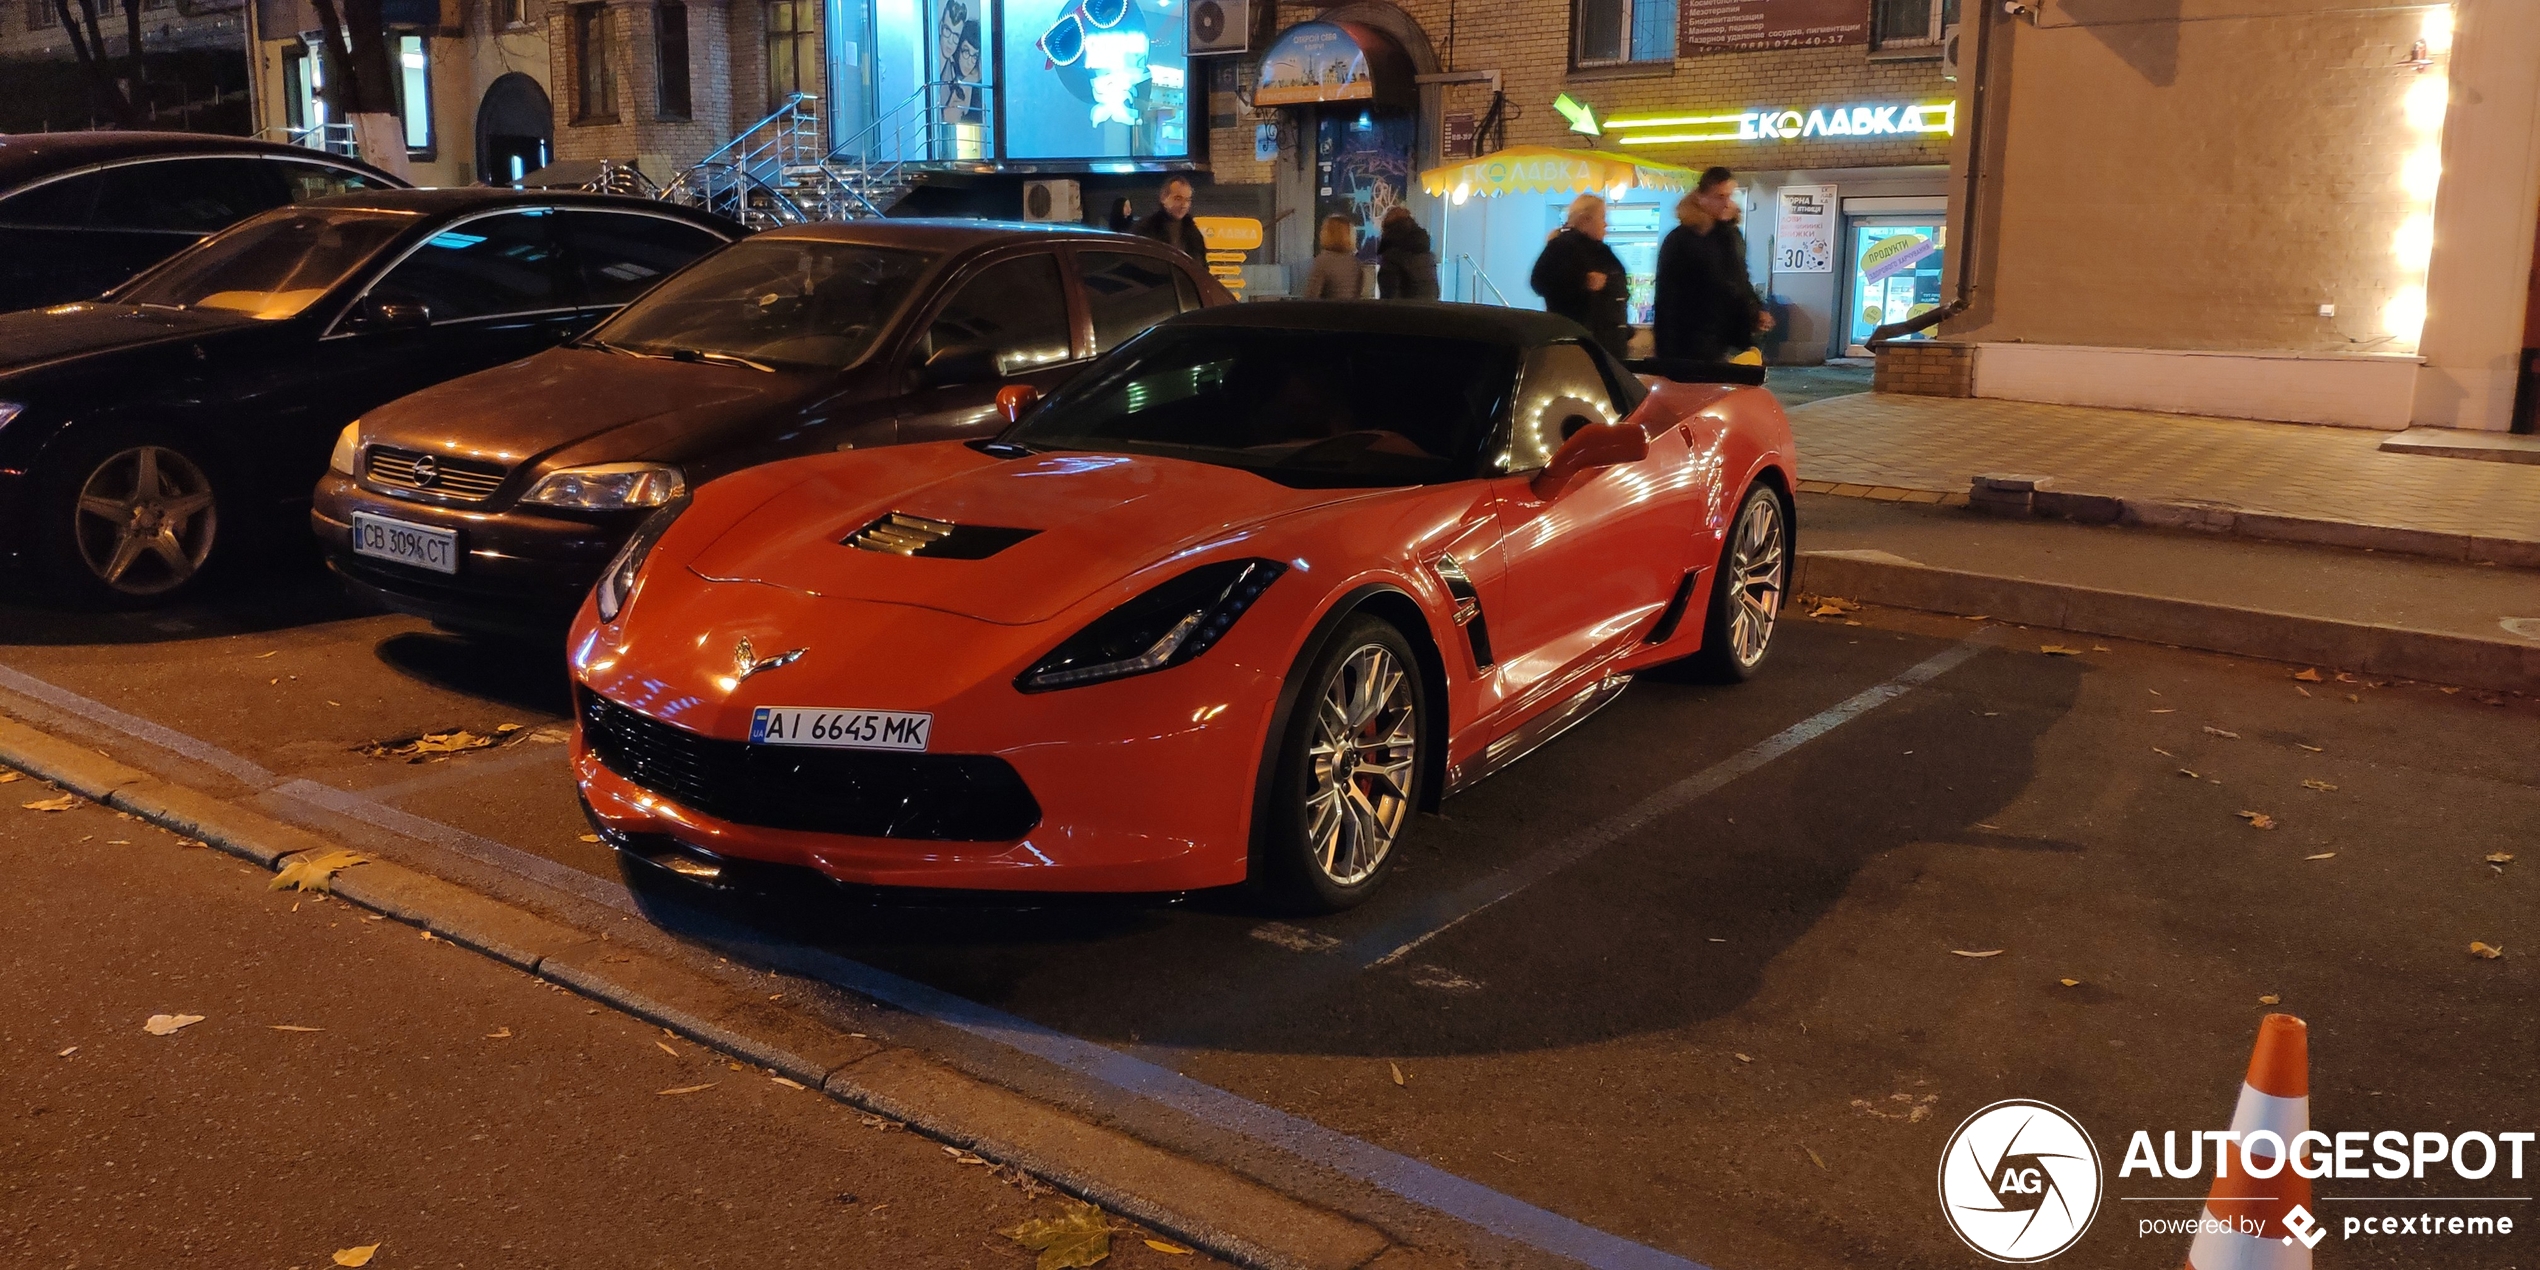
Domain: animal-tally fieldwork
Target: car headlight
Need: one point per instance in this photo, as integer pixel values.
(618, 582)
(1166, 626)
(609, 487)
(348, 446)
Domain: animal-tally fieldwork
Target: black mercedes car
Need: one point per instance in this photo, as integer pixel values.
(139, 430)
(83, 211)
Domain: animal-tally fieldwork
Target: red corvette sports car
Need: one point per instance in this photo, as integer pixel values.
(1230, 606)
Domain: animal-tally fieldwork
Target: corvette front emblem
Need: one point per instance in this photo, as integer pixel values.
(746, 661)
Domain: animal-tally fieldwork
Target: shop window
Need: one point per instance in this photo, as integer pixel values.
(414, 91)
(1916, 25)
(1621, 32)
(1093, 81)
(670, 60)
(793, 52)
(595, 80)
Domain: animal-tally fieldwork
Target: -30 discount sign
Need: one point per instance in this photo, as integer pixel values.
(1803, 234)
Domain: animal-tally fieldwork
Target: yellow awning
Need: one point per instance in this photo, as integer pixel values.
(1546, 169)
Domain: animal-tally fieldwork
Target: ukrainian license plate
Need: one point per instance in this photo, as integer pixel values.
(419, 545)
(840, 729)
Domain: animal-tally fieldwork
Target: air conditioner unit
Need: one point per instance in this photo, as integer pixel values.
(1058, 201)
(1949, 52)
(1222, 26)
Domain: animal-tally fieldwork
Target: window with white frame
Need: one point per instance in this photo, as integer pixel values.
(1623, 32)
(1911, 24)
(414, 90)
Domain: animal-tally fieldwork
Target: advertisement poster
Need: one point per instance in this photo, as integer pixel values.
(1896, 274)
(1803, 234)
(1098, 80)
(1363, 168)
(1314, 61)
(1742, 26)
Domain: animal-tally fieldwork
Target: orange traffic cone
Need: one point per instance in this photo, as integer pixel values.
(2264, 1223)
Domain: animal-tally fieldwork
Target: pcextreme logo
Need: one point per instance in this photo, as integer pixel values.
(2019, 1181)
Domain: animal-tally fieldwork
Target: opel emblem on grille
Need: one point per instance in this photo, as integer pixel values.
(746, 661)
(426, 470)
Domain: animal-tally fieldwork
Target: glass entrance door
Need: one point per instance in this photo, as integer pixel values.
(1895, 273)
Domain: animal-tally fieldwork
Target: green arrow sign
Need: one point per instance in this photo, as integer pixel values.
(1582, 117)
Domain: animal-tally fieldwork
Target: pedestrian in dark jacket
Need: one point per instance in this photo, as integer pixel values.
(1170, 223)
(1694, 306)
(1406, 269)
(1580, 278)
(1124, 216)
(1745, 314)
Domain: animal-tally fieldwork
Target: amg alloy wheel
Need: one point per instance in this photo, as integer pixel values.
(142, 521)
(1350, 768)
(1747, 593)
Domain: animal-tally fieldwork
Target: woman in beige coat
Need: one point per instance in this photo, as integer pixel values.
(1336, 274)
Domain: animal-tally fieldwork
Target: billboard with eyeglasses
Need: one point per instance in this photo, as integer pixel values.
(1096, 79)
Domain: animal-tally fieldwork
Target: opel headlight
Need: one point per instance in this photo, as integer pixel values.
(618, 582)
(348, 447)
(1167, 626)
(609, 487)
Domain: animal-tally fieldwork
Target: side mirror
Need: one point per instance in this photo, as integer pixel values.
(1593, 446)
(1014, 400)
(960, 364)
(375, 314)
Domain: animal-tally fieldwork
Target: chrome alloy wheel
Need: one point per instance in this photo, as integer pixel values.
(1361, 764)
(145, 520)
(1757, 571)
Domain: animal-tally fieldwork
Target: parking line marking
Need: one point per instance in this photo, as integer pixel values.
(1441, 913)
(1401, 1175)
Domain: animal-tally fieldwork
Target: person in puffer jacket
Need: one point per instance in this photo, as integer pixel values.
(1406, 269)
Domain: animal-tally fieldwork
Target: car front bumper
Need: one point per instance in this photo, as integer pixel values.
(519, 572)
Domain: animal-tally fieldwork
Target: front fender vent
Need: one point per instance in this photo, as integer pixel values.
(1468, 607)
(900, 534)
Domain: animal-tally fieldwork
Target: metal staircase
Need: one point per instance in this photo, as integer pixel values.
(778, 171)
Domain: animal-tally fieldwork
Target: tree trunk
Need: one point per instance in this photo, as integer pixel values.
(142, 99)
(361, 80)
(91, 52)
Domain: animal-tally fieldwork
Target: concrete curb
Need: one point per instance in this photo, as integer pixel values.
(1203, 1204)
(1878, 577)
(2214, 518)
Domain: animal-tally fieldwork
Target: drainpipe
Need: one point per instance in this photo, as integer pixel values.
(1968, 199)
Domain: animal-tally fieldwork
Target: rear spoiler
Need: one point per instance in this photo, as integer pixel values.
(1684, 371)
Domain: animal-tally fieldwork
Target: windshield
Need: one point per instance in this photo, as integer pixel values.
(270, 267)
(1304, 408)
(786, 302)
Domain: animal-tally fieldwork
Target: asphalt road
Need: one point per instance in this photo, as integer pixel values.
(1674, 976)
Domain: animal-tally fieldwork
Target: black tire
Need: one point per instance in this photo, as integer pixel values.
(1755, 563)
(1307, 862)
(166, 483)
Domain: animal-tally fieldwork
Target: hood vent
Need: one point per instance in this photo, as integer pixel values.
(901, 534)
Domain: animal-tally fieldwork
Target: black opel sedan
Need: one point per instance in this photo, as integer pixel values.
(82, 211)
(140, 431)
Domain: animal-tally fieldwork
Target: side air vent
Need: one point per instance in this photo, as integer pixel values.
(1468, 607)
(1674, 613)
(901, 534)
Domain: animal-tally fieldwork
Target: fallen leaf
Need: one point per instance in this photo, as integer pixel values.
(2058, 650)
(787, 1081)
(2162, 710)
(2344, 678)
(2271, 999)
(2312, 748)
(1170, 1250)
(2188, 774)
(1830, 606)
(1741, 1058)
(2257, 819)
(683, 1089)
(68, 1052)
(1081, 1236)
(2500, 857)
(63, 803)
(7, 776)
(2300, 689)
(1989, 952)
(2321, 786)
(2070, 983)
(2307, 676)
(1397, 1074)
(163, 1024)
(307, 873)
(356, 1256)
(590, 837)
(2449, 692)
(430, 745)
(293, 1027)
(1816, 1159)
(665, 1048)
(2162, 752)
(2352, 697)
(506, 729)
(2482, 949)
(2325, 855)
(499, 1034)
(2101, 648)
(2211, 730)
(550, 736)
